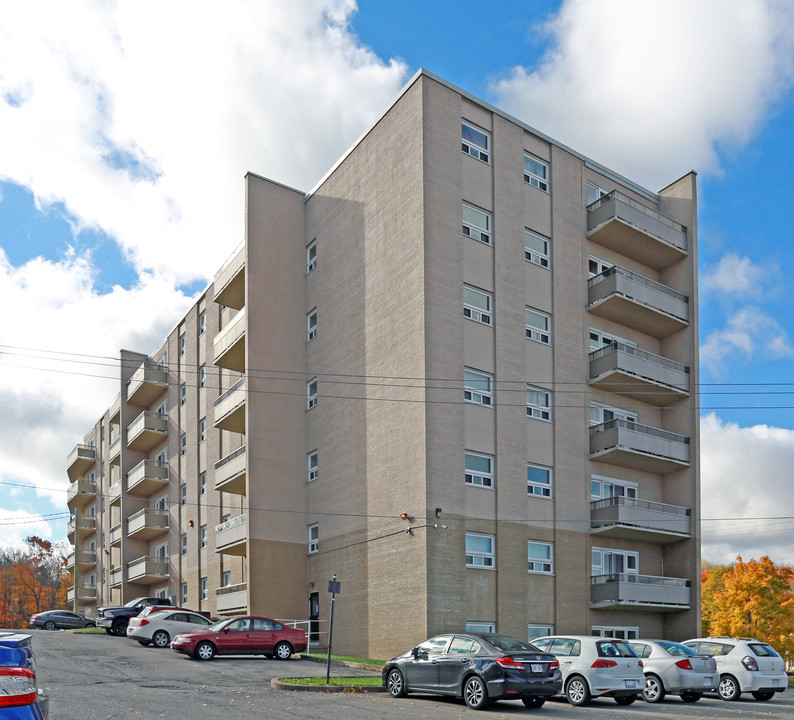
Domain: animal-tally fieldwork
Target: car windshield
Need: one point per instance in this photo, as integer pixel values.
(133, 603)
(511, 644)
(677, 649)
(613, 648)
(220, 624)
(762, 650)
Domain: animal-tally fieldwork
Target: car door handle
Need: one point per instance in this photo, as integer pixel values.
(465, 661)
(434, 662)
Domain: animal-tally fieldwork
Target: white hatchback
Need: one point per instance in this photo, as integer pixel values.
(159, 627)
(595, 666)
(744, 665)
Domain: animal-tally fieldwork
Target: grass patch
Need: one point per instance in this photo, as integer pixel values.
(87, 630)
(352, 682)
(348, 658)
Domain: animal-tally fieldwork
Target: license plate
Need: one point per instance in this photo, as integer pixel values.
(776, 682)
(536, 667)
(630, 684)
(707, 681)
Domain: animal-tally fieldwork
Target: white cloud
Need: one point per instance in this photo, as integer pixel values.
(653, 89)
(16, 525)
(736, 275)
(746, 473)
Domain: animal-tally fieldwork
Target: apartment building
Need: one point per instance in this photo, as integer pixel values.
(460, 374)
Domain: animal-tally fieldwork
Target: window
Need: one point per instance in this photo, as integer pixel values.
(537, 631)
(182, 344)
(202, 430)
(160, 503)
(311, 325)
(311, 257)
(600, 340)
(311, 459)
(618, 633)
(475, 142)
(163, 409)
(203, 536)
(479, 550)
(479, 470)
(604, 413)
(613, 562)
(202, 322)
(226, 578)
(477, 305)
(203, 587)
(540, 557)
(183, 494)
(161, 551)
(538, 326)
(184, 593)
(314, 538)
(594, 192)
(480, 627)
(477, 387)
(202, 376)
(477, 223)
(183, 444)
(603, 487)
(538, 403)
(536, 173)
(203, 483)
(596, 266)
(539, 480)
(183, 544)
(311, 394)
(536, 248)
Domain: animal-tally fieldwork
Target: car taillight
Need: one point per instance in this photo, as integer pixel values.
(684, 664)
(639, 664)
(508, 662)
(554, 664)
(749, 663)
(143, 621)
(17, 687)
(36, 617)
(604, 663)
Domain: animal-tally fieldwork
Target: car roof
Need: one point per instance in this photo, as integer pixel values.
(580, 637)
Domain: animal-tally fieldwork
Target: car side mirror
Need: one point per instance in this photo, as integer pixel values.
(415, 652)
(226, 629)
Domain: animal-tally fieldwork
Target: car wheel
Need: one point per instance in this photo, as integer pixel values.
(763, 695)
(395, 684)
(89, 625)
(49, 625)
(729, 688)
(143, 642)
(474, 693)
(204, 651)
(654, 689)
(120, 628)
(283, 651)
(625, 699)
(533, 703)
(161, 639)
(690, 696)
(576, 691)
(108, 631)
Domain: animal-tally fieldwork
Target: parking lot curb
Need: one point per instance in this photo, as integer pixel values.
(278, 684)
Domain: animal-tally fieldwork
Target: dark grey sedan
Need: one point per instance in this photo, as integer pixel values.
(479, 667)
(59, 619)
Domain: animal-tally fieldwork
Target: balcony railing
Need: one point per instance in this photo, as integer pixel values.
(624, 590)
(147, 430)
(231, 536)
(115, 451)
(638, 374)
(147, 383)
(114, 493)
(642, 520)
(116, 576)
(641, 447)
(636, 230)
(148, 569)
(81, 522)
(115, 534)
(147, 523)
(232, 598)
(82, 458)
(229, 282)
(230, 472)
(83, 557)
(230, 408)
(229, 343)
(146, 477)
(80, 493)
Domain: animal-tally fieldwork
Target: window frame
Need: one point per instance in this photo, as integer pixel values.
(488, 558)
(311, 324)
(203, 537)
(536, 410)
(471, 393)
(202, 430)
(533, 332)
(202, 322)
(532, 255)
(599, 340)
(631, 490)
(183, 445)
(601, 266)
(314, 538)
(311, 256)
(473, 626)
(183, 494)
(468, 145)
(486, 479)
(203, 483)
(183, 545)
(596, 195)
(478, 232)
(183, 592)
(182, 344)
(203, 375)
(531, 176)
(183, 395)
(617, 414)
(544, 628)
(312, 471)
(532, 486)
(472, 312)
(599, 569)
(616, 631)
(311, 393)
(531, 569)
(204, 589)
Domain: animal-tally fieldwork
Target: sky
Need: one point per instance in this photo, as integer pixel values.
(126, 129)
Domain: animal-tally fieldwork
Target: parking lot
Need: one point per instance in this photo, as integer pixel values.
(99, 676)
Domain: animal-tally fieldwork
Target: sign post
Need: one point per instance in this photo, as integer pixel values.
(333, 588)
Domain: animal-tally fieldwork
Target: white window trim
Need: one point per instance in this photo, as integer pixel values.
(532, 255)
(312, 471)
(183, 545)
(182, 394)
(311, 325)
(601, 265)
(618, 414)
(602, 340)
(476, 232)
(474, 150)
(544, 628)
(202, 322)
(472, 312)
(480, 627)
(540, 412)
(546, 567)
(488, 559)
(546, 491)
(202, 483)
(183, 445)
(311, 396)
(615, 632)
(202, 375)
(631, 489)
(203, 537)
(598, 192)
(477, 396)
(184, 593)
(204, 590)
(314, 542)
(480, 479)
(535, 333)
(596, 570)
(311, 260)
(532, 178)
(202, 430)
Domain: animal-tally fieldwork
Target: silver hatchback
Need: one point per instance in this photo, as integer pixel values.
(671, 667)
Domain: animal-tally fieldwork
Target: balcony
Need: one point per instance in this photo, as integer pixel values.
(231, 537)
(147, 383)
(80, 494)
(639, 447)
(115, 535)
(114, 413)
(85, 523)
(147, 477)
(147, 570)
(114, 493)
(83, 557)
(116, 576)
(638, 374)
(622, 591)
(84, 592)
(147, 430)
(230, 472)
(147, 523)
(230, 408)
(230, 344)
(637, 302)
(229, 282)
(635, 230)
(640, 520)
(115, 451)
(232, 599)
(82, 458)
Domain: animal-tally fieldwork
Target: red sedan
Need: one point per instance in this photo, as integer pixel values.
(242, 635)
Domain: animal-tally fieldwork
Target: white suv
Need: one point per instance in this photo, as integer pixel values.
(744, 665)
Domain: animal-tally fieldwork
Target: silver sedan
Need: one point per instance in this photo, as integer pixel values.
(670, 667)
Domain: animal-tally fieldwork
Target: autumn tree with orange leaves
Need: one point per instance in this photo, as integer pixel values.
(750, 599)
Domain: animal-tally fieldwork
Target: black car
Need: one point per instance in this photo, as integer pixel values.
(57, 619)
(115, 618)
(479, 667)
